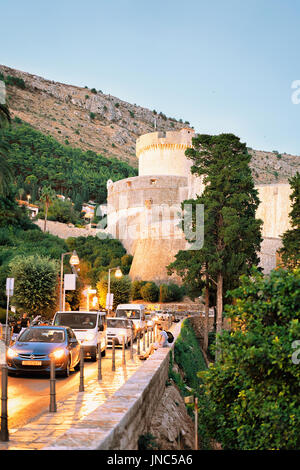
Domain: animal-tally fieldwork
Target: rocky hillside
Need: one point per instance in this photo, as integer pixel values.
(82, 117)
(273, 167)
(92, 120)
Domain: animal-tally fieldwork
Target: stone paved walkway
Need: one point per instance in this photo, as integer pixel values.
(49, 426)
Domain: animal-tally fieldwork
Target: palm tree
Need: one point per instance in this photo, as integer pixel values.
(47, 197)
(5, 173)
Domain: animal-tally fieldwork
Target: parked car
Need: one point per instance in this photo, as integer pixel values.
(37, 345)
(134, 312)
(119, 328)
(89, 328)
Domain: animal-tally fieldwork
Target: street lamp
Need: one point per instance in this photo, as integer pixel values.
(74, 261)
(88, 292)
(118, 274)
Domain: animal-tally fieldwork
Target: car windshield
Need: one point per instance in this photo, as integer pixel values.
(42, 335)
(130, 313)
(117, 323)
(76, 321)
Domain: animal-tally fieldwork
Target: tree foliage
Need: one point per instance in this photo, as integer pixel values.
(231, 232)
(97, 256)
(35, 284)
(69, 171)
(252, 392)
(120, 287)
(24, 239)
(150, 292)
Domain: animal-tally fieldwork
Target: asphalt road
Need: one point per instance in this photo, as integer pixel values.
(29, 395)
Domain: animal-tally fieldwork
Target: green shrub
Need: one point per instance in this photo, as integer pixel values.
(15, 81)
(188, 356)
(149, 292)
(170, 293)
(136, 289)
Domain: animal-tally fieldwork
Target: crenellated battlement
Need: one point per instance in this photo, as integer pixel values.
(163, 153)
(168, 140)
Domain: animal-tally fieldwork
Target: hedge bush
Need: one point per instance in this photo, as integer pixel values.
(170, 293)
(149, 292)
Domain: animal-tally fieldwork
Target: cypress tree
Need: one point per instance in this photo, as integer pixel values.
(232, 234)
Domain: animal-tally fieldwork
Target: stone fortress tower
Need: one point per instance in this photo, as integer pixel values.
(143, 211)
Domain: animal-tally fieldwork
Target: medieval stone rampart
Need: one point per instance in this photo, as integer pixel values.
(165, 181)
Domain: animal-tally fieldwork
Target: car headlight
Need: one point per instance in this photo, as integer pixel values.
(57, 354)
(11, 353)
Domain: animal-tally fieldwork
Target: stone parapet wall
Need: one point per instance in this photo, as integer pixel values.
(64, 230)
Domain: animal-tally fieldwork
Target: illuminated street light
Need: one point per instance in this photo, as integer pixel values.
(74, 261)
(118, 274)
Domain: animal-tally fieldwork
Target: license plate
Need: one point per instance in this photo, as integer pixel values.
(31, 363)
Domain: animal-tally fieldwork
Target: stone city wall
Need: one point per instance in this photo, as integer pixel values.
(130, 201)
(274, 209)
(64, 230)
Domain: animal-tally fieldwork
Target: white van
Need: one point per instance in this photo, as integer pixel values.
(134, 312)
(118, 328)
(89, 329)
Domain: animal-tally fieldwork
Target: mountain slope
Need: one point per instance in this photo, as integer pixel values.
(84, 118)
(90, 120)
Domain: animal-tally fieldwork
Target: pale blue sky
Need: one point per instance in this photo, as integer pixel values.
(223, 65)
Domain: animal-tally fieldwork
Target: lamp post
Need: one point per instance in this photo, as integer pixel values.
(74, 261)
(117, 274)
